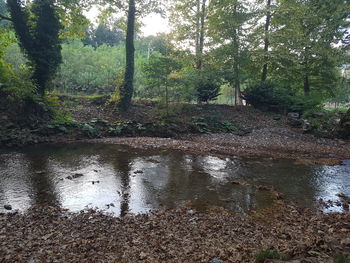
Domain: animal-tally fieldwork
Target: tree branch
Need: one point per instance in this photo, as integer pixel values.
(5, 18)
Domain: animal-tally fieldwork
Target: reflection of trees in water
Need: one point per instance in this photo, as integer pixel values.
(297, 182)
(41, 179)
(122, 163)
(188, 181)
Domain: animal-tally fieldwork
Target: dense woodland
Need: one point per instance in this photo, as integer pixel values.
(276, 55)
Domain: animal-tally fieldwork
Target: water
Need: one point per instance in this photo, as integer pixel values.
(123, 180)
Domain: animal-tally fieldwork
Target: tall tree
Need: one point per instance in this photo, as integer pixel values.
(304, 47)
(266, 39)
(127, 89)
(188, 19)
(229, 32)
(37, 29)
(135, 9)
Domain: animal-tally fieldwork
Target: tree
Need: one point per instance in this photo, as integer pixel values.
(303, 50)
(127, 89)
(110, 34)
(134, 9)
(158, 71)
(189, 19)
(37, 29)
(229, 32)
(266, 39)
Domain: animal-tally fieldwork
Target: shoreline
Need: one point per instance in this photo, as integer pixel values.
(331, 152)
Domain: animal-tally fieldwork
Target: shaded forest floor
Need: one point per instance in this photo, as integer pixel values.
(206, 129)
(48, 234)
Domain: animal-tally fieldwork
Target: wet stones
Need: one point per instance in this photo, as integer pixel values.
(294, 120)
(8, 207)
(74, 176)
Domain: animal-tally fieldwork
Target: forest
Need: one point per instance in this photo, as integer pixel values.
(231, 124)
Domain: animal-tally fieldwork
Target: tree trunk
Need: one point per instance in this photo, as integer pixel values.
(127, 89)
(266, 41)
(236, 69)
(306, 85)
(306, 73)
(201, 36)
(198, 26)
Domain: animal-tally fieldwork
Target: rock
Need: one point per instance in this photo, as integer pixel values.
(295, 123)
(335, 121)
(142, 256)
(77, 175)
(191, 212)
(276, 118)
(8, 207)
(307, 126)
(293, 115)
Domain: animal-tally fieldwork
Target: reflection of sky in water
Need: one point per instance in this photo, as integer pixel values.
(14, 188)
(138, 181)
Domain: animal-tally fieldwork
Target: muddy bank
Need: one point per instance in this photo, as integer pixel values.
(262, 143)
(48, 234)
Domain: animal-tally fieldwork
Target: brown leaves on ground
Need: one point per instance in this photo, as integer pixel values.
(48, 234)
(262, 143)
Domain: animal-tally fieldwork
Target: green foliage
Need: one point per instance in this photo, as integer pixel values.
(105, 34)
(263, 255)
(38, 29)
(207, 89)
(88, 130)
(342, 258)
(14, 85)
(158, 78)
(267, 97)
(208, 124)
(87, 70)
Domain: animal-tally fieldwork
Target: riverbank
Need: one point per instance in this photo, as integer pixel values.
(276, 143)
(48, 234)
(205, 129)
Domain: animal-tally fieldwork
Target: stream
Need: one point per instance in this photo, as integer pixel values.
(123, 180)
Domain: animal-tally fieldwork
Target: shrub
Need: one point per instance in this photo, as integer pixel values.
(207, 90)
(267, 96)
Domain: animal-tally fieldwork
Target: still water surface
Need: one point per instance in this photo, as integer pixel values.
(124, 180)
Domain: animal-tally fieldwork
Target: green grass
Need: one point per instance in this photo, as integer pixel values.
(263, 255)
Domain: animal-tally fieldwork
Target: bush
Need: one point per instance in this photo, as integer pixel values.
(207, 90)
(266, 96)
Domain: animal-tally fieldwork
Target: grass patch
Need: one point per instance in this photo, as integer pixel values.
(263, 255)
